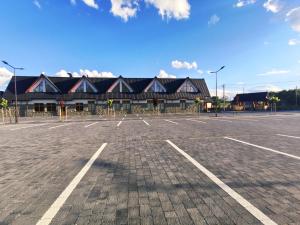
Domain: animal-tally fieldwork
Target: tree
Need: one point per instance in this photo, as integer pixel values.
(109, 104)
(4, 107)
(274, 100)
(198, 103)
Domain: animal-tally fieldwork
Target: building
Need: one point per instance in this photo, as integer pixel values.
(1, 94)
(44, 95)
(251, 101)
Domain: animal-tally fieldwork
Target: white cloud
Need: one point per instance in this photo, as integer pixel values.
(73, 2)
(272, 5)
(274, 72)
(293, 17)
(5, 76)
(200, 72)
(214, 19)
(91, 3)
(124, 8)
(164, 74)
(299, 61)
(242, 3)
(267, 87)
(184, 65)
(293, 42)
(37, 4)
(177, 9)
(89, 73)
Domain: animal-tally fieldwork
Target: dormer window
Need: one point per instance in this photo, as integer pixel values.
(120, 86)
(84, 86)
(187, 87)
(156, 87)
(43, 85)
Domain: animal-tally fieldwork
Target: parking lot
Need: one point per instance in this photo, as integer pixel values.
(145, 170)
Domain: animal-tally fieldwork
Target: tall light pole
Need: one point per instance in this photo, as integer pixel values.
(216, 102)
(16, 94)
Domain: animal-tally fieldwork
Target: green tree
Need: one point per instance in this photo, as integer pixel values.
(109, 103)
(4, 103)
(198, 102)
(274, 100)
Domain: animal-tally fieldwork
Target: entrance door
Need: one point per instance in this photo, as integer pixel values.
(92, 107)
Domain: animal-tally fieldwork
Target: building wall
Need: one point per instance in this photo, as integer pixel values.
(101, 108)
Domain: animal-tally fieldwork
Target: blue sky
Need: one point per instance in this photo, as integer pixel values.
(257, 40)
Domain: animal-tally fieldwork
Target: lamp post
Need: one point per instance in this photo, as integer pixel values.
(216, 102)
(16, 97)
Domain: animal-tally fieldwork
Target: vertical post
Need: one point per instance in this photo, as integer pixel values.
(216, 106)
(16, 98)
(224, 97)
(296, 96)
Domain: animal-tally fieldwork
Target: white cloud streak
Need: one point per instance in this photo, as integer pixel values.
(214, 19)
(124, 8)
(242, 3)
(293, 42)
(293, 17)
(89, 73)
(273, 6)
(177, 9)
(164, 74)
(91, 3)
(5, 76)
(274, 72)
(37, 4)
(184, 65)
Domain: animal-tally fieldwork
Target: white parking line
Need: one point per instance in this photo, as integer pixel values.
(229, 121)
(119, 123)
(36, 125)
(55, 207)
(283, 135)
(237, 197)
(264, 148)
(198, 121)
(50, 128)
(170, 121)
(92, 124)
(146, 123)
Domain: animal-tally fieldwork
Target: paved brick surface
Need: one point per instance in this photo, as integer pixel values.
(140, 179)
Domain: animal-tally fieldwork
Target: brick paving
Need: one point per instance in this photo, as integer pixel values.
(140, 179)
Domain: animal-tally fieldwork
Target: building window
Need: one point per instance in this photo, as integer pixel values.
(79, 107)
(187, 87)
(156, 87)
(182, 105)
(39, 107)
(51, 107)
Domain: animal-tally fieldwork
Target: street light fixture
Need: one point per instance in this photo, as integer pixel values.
(216, 102)
(16, 97)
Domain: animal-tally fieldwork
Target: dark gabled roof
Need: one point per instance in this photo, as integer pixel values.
(251, 97)
(64, 84)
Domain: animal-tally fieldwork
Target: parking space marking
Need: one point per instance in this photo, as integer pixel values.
(50, 128)
(36, 125)
(237, 197)
(198, 121)
(146, 123)
(264, 148)
(119, 123)
(92, 124)
(170, 121)
(58, 203)
(283, 135)
(229, 121)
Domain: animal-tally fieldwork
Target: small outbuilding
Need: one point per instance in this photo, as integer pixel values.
(251, 101)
